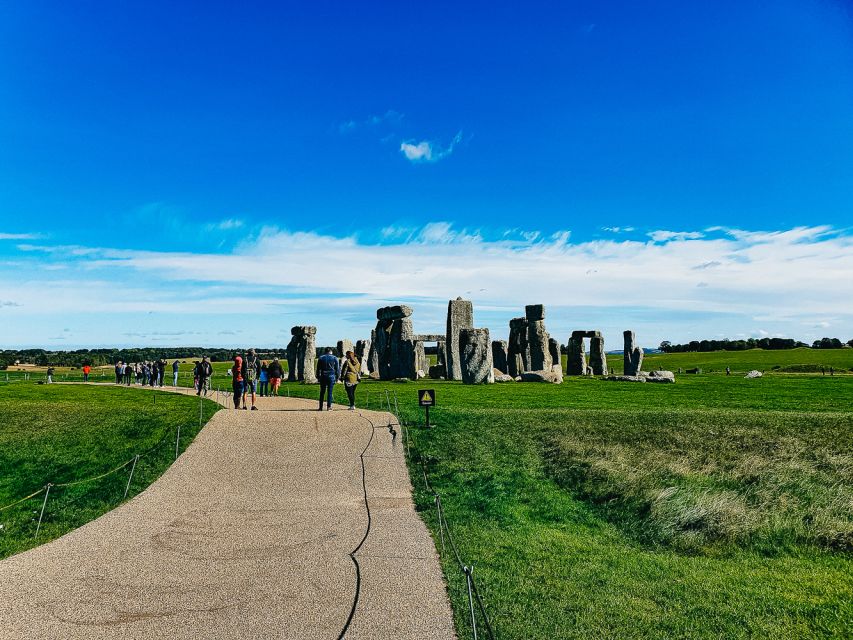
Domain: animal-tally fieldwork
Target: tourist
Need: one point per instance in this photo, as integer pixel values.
(328, 372)
(50, 372)
(275, 373)
(237, 380)
(251, 367)
(728, 371)
(119, 372)
(350, 374)
(263, 381)
(204, 371)
(161, 372)
(176, 365)
(86, 370)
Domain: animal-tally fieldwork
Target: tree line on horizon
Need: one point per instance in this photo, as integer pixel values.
(751, 343)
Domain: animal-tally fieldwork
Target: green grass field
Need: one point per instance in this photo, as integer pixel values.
(718, 507)
(67, 433)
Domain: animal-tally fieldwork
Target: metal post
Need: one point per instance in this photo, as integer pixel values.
(200, 408)
(471, 600)
(43, 505)
(130, 477)
(177, 442)
(388, 401)
(440, 525)
(396, 406)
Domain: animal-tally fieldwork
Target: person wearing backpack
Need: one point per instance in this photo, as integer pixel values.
(251, 366)
(204, 372)
(328, 372)
(275, 372)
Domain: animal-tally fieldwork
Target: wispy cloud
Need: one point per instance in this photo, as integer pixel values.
(666, 236)
(428, 151)
(618, 229)
(226, 225)
(20, 236)
(778, 276)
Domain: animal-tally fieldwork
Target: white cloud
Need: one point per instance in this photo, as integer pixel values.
(226, 225)
(779, 280)
(618, 229)
(20, 236)
(666, 236)
(427, 151)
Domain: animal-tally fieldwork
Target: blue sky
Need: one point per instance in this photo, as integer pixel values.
(213, 174)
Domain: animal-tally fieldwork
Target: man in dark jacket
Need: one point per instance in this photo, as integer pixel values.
(205, 370)
(328, 372)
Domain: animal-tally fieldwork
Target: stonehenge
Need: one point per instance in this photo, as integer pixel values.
(395, 352)
(460, 315)
(301, 354)
(475, 356)
(633, 355)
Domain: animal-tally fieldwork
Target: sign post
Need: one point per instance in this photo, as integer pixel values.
(426, 399)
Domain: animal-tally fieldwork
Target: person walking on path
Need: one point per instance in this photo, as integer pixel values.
(263, 381)
(275, 373)
(251, 366)
(86, 370)
(328, 372)
(50, 372)
(350, 373)
(118, 372)
(204, 371)
(237, 380)
(176, 365)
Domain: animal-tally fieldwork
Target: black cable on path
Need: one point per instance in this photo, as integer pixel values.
(366, 533)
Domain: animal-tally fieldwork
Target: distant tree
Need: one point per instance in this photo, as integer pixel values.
(666, 345)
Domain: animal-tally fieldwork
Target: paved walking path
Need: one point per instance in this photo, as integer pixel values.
(247, 535)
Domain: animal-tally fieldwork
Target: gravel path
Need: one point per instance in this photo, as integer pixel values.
(247, 535)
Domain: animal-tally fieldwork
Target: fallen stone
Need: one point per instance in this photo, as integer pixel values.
(502, 377)
(754, 374)
(626, 378)
(542, 376)
(436, 372)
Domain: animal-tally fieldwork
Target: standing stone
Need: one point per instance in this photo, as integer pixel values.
(633, 355)
(576, 360)
(518, 353)
(344, 346)
(362, 352)
(499, 355)
(441, 349)
(597, 356)
(554, 350)
(306, 355)
(421, 362)
(395, 343)
(537, 338)
(460, 315)
(292, 349)
(372, 354)
(475, 355)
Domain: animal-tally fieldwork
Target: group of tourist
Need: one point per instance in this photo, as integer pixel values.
(148, 373)
(249, 376)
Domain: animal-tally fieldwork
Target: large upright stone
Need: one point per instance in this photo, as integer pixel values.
(499, 355)
(362, 352)
(372, 354)
(576, 356)
(441, 353)
(633, 355)
(537, 338)
(597, 356)
(475, 355)
(460, 315)
(395, 344)
(518, 353)
(344, 346)
(301, 354)
(554, 350)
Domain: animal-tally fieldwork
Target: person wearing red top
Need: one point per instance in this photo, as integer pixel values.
(237, 380)
(86, 370)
